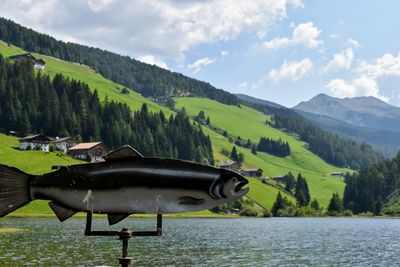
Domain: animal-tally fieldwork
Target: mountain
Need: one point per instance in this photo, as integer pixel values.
(389, 145)
(365, 119)
(258, 101)
(367, 112)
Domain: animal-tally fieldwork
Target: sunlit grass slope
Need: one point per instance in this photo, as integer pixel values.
(251, 124)
(244, 122)
(84, 73)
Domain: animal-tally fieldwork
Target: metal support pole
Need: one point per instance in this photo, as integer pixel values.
(124, 235)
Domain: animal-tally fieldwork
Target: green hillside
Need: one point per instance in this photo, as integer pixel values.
(94, 80)
(244, 122)
(250, 124)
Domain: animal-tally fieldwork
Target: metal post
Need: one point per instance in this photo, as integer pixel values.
(125, 235)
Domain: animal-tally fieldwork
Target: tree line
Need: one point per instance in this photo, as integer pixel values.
(283, 207)
(275, 147)
(147, 79)
(33, 103)
(370, 188)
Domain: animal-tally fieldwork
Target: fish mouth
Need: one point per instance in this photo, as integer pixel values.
(230, 184)
(239, 190)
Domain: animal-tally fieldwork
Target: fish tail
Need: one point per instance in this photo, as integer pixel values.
(14, 189)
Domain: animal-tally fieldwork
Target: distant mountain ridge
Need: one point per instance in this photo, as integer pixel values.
(364, 119)
(367, 112)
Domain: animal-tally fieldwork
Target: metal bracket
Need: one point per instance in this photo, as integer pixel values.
(124, 235)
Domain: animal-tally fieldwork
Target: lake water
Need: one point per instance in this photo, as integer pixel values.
(208, 242)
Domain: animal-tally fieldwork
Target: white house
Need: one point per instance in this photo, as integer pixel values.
(37, 63)
(35, 142)
(64, 143)
(93, 151)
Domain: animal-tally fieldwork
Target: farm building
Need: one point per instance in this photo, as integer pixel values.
(337, 174)
(64, 143)
(37, 63)
(35, 142)
(252, 172)
(234, 166)
(85, 151)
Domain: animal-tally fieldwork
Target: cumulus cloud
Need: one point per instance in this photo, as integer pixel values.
(369, 74)
(387, 65)
(353, 42)
(165, 29)
(305, 34)
(292, 71)
(340, 61)
(151, 59)
(362, 86)
(200, 63)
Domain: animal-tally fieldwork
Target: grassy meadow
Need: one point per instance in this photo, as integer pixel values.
(244, 122)
(251, 124)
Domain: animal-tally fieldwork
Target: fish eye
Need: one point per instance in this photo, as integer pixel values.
(234, 179)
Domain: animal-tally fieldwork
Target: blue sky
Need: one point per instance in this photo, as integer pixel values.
(285, 51)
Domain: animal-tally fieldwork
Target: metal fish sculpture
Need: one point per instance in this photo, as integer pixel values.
(125, 183)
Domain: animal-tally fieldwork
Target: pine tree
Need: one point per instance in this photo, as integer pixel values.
(315, 204)
(240, 158)
(335, 206)
(278, 205)
(302, 193)
(234, 155)
(254, 149)
(290, 182)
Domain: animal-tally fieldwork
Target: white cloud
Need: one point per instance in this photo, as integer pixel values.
(342, 60)
(151, 59)
(367, 82)
(277, 43)
(165, 29)
(304, 33)
(387, 65)
(334, 35)
(353, 42)
(362, 86)
(201, 62)
(224, 53)
(291, 70)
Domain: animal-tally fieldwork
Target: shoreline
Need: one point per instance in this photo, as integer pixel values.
(186, 216)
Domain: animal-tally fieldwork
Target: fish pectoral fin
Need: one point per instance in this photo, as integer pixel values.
(61, 212)
(190, 201)
(122, 152)
(114, 218)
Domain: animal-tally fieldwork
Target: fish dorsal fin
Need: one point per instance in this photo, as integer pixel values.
(61, 212)
(114, 218)
(123, 152)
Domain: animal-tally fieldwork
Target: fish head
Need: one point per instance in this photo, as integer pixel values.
(229, 186)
